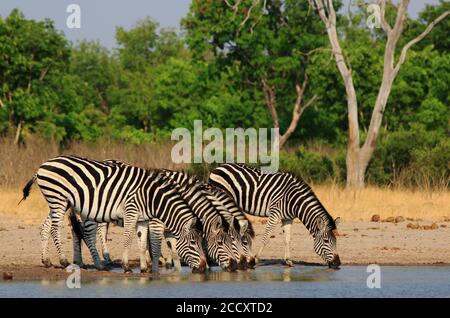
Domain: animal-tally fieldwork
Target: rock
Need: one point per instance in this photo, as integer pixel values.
(412, 226)
(434, 226)
(446, 219)
(399, 219)
(443, 225)
(3, 229)
(427, 227)
(272, 236)
(356, 230)
(409, 219)
(20, 227)
(375, 218)
(390, 219)
(7, 275)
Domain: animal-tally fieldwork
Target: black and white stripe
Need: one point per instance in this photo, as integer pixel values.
(105, 192)
(280, 197)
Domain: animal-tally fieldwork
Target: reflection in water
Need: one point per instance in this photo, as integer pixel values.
(265, 281)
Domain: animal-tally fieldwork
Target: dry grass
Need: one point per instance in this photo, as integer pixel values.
(17, 165)
(349, 205)
(361, 205)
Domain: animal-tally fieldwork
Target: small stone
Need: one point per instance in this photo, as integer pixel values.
(7, 275)
(409, 219)
(356, 230)
(446, 219)
(3, 229)
(399, 219)
(427, 227)
(375, 218)
(443, 225)
(412, 226)
(390, 219)
(20, 227)
(434, 226)
(272, 236)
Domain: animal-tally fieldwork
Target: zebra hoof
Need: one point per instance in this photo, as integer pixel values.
(64, 262)
(47, 263)
(289, 263)
(127, 270)
(168, 265)
(107, 262)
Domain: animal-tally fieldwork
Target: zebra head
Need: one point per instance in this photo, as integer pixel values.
(325, 241)
(219, 244)
(189, 246)
(238, 247)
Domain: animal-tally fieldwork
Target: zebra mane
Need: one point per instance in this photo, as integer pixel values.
(215, 189)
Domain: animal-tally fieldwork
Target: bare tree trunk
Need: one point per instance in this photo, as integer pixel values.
(358, 158)
(18, 132)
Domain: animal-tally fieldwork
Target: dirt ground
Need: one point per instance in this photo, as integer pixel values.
(361, 242)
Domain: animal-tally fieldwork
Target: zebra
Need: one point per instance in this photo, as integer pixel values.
(243, 231)
(206, 199)
(104, 192)
(218, 242)
(281, 197)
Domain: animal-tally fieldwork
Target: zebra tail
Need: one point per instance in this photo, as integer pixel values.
(26, 190)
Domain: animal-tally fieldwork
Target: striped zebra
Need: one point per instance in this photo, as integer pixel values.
(280, 197)
(104, 192)
(205, 201)
(243, 232)
(218, 242)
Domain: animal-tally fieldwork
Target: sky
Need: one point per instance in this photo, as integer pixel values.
(99, 18)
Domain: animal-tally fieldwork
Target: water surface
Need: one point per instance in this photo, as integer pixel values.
(264, 281)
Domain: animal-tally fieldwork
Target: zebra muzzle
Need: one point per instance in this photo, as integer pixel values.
(242, 263)
(335, 262)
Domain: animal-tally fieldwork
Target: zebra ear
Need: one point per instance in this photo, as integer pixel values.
(194, 224)
(244, 226)
(337, 221)
(321, 226)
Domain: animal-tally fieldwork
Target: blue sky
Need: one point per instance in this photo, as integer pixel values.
(99, 18)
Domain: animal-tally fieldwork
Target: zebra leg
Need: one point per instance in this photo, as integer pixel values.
(286, 225)
(45, 235)
(57, 218)
(156, 237)
(90, 238)
(102, 232)
(130, 222)
(142, 233)
(77, 255)
(171, 242)
(273, 219)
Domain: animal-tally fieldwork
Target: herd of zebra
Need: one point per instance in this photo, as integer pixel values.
(201, 222)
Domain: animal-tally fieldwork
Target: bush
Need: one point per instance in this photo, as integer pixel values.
(311, 166)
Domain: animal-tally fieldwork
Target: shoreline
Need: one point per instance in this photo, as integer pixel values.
(29, 273)
(362, 243)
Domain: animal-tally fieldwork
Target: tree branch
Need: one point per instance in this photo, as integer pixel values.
(418, 39)
(384, 24)
(270, 97)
